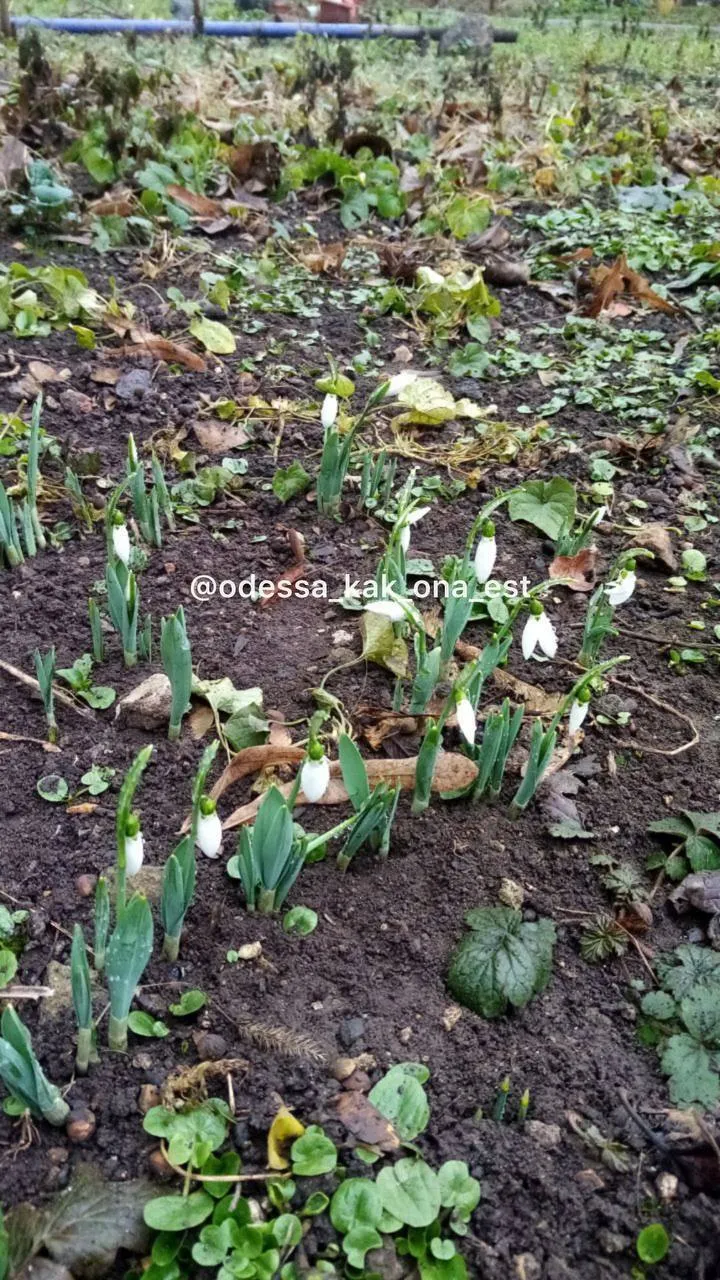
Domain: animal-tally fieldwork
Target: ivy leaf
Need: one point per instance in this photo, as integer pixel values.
(692, 1080)
(410, 1191)
(400, 1097)
(53, 788)
(548, 504)
(214, 336)
(503, 960)
(290, 481)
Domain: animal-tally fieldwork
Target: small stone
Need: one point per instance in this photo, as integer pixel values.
(451, 1016)
(210, 1047)
(250, 951)
(142, 1062)
(612, 1242)
(80, 1125)
(148, 881)
(147, 706)
(148, 1097)
(343, 1068)
(159, 1165)
(85, 885)
(511, 894)
(365, 1061)
(58, 1155)
(589, 1180)
(342, 637)
(667, 1185)
(405, 1036)
(76, 401)
(358, 1082)
(351, 1029)
(527, 1267)
(547, 1136)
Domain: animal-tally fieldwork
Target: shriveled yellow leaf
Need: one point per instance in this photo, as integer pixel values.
(428, 402)
(283, 1130)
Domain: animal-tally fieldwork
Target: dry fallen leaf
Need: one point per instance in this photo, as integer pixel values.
(203, 206)
(453, 772)
(656, 537)
(608, 282)
(219, 437)
(142, 342)
(365, 1122)
(579, 570)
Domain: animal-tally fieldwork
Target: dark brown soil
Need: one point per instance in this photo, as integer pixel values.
(386, 930)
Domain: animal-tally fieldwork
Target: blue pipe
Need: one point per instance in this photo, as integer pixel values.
(269, 30)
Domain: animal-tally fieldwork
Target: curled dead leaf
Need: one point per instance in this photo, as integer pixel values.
(618, 278)
(283, 1130)
(578, 570)
(365, 1122)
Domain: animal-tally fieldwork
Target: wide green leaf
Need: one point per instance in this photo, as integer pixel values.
(178, 1213)
(548, 504)
(503, 960)
(410, 1191)
(692, 1080)
(215, 337)
(400, 1097)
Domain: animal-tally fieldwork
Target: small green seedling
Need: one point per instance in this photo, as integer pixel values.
(45, 672)
(82, 999)
(177, 664)
(22, 1074)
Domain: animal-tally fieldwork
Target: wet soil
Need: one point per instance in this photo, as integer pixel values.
(371, 977)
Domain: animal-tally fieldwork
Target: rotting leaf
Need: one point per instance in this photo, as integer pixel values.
(214, 336)
(382, 645)
(656, 537)
(283, 1130)
(365, 1122)
(83, 1227)
(608, 282)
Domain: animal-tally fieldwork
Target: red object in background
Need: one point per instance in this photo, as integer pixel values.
(338, 11)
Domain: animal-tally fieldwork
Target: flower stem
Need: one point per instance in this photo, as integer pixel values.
(117, 1034)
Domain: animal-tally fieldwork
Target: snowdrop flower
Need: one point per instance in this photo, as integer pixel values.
(486, 552)
(621, 589)
(466, 722)
(538, 631)
(400, 381)
(121, 539)
(329, 412)
(315, 773)
(578, 711)
(411, 518)
(395, 607)
(208, 837)
(134, 846)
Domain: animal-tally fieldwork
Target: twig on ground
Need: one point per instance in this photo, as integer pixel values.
(32, 683)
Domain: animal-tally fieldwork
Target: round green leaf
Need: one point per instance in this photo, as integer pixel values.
(8, 966)
(287, 1230)
(143, 1024)
(189, 1002)
(53, 788)
(653, 1243)
(313, 1153)
(300, 920)
(410, 1191)
(178, 1213)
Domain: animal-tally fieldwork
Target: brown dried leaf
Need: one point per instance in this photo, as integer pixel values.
(538, 702)
(14, 157)
(219, 437)
(579, 570)
(388, 724)
(201, 720)
(203, 206)
(105, 375)
(453, 772)
(656, 537)
(163, 349)
(608, 282)
(324, 258)
(365, 1122)
(119, 204)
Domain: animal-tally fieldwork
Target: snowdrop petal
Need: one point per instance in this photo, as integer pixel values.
(329, 411)
(134, 853)
(400, 381)
(546, 636)
(121, 543)
(387, 609)
(578, 712)
(485, 557)
(621, 590)
(530, 636)
(209, 834)
(466, 722)
(315, 778)
(405, 537)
